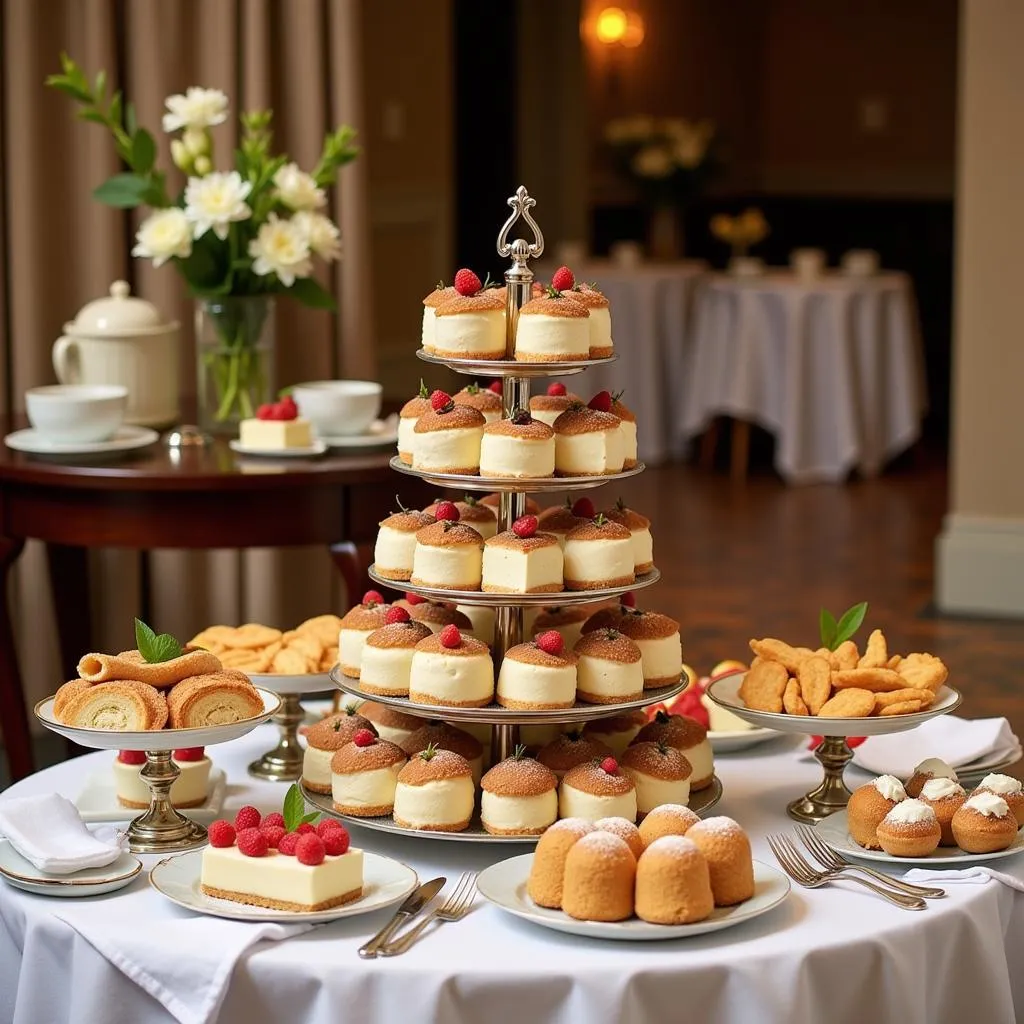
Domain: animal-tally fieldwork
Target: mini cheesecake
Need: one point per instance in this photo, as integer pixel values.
(444, 736)
(607, 617)
(618, 731)
(570, 749)
(448, 440)
(473, 513)
(598, 555)
(438, 297)
(567, 622)
(323, 741)
(448, 556)
(600, 334)
(435, 616)
(661, 649)
(689, 737)
(522, 565)
(560, 520)
(356, 625)
(363, 778)
(387, 658)
(460, 676)
(660, 773)
(396, 543)
(587, 443)
(627, 431)
(519, 797)
(483, 400)
(518, 448)
(640, 534)
(470, 327)
(435, 791)
(531, 679)
(189, 789)
(610, 669)
(407, 420)
(480, 622)
(391, 725)
(547, 408)
(589, 792)
(552, 329)
(494, 501)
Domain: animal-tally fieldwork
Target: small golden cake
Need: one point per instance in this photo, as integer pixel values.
(547, 871)
(587, 443)
(438, 297)
(324, 740)
(567, 622)
(726, 848)
(639, 531)
(364, 774)
(479, 622)
(473, 513)
(396, 543)
(451, 670)
(538, 676)
(356, 625)
(518, 448)
(607, 617)
(484, 400)
(929, 768)
(470, 327)
(625, 830)
(868, 805)
(391, 724)
(609, 669)
(984, 824)
(435, 791)
(600, 874)
(673, 883)
(945, 797)
(522, 561)
(408, 417)
(660, 774)
(618, 731)
(569, 749)
(549, 406)
(910, 829)
(661, 649)
(216, 698)
(690, 738)
(601, 344)
(435, 616)
(1009, 788)
(387, 655)
(443, 736)
(447, 437)
(667, 820)
(559, 520)
(519, 797)
(627, 429)
(552, 328)
(595, 790)
(598, 554)
(448, 556)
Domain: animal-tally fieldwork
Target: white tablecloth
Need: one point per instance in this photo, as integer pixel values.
(833, 368)
(650, 306)
(833, 954)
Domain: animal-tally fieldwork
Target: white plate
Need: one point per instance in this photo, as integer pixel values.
(316, 448)
(504, 884)
(157, 739)
(314, 682)
(98, 800)
(986, 765)
(380, 432)
(740, 739)
(23, 874)
(125, 439)
(724, 691)
(835, 832)
(385, 881)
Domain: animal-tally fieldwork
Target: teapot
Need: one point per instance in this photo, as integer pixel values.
(124, 340)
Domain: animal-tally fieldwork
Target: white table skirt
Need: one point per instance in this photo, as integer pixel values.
(834, 368)
(833, 954)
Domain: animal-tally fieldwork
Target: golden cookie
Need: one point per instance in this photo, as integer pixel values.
(323, 627)
(906, 707)
(289, 662)
(329, 659)
(792, 701)
(243, 659)
(924, 671)
(877, 652)
(815, 679)
(878, 680)
(252, 635)
(851, 703)
(894, 661)
(780, 652)
(763, 686)
(845, 656)
(307, 645)
(883, 700)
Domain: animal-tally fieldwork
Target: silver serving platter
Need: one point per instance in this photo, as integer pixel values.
(488, 599)
(530, 485)
(494, 714)
(512, 367)
(700, 803)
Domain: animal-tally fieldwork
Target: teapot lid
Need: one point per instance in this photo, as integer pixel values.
(121, 314)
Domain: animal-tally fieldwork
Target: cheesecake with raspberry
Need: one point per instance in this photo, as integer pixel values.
(595, 790)
(445, 736)
(324, 740)
(660, 774)
(609, 669)
(661, 648)
(471, 323)
(390, 724)
(518, 448)
(387, 655)
(364, 774)
(601, 344)
(435, 615)
(566, 750)
(588, 442)
(435, 791)
(522, 561)
(549, 406)
(640, 535)
(560, 520)
(519, 797)
(473, 513)
(276, 426)
(451, 670)
(449, 554)
(396, 543)
(553, 327)
(484, 400)
(408, 417)
(190, 788)
(598, 554)
(538, 676)
(567, 622)
(447, 438)
(356, 625)
(438, 297)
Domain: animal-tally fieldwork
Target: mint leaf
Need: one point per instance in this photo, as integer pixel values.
(309, 818)
(294, 805)
(155, 648)
(827, 626)
(850, 622)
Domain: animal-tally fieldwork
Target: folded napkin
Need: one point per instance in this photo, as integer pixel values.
(972, 876)
(49, 832)
(958, 741)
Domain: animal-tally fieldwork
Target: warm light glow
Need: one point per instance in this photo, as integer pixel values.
(611, 25)
(634, 34)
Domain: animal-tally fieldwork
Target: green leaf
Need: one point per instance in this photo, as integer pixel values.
(311, 293)
(73, 90)
(850, 622)
(294, 805)
(115, 110)
(144, 636)
(143, 151)
(827, 627)
(308, 819)
(130, 123)
(89, 114)
(155, 648)
(122, 190)
(100, 87)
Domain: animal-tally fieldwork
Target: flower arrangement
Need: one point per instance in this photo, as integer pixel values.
(247, 232)
(742, 231)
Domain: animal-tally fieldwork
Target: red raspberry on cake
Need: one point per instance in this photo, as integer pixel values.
(247, 817)
(610, 766)
(628, 600)
(364, 738)
(450, 637)
(305, 828)
(414, 599)
(495, 386)
(189, 754)
(601, 402)
(274, 834)
(551, 642)
(583, 508)
(252, 842)
(327, 825)
(525, 526)
(563, 280)
(221, 833)
(288, 843)
(441, 401)
(446, 511)
(265, 411)
(556, 390)
(371, 599)
(275, 818)
(310, 849)
(396, 615)
(131, 756)
(336, 841)
(466, 282)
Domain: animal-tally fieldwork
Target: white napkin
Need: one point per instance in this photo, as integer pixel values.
(49, 832)
(973, 876)
(958, 741)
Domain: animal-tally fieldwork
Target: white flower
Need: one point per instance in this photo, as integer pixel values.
(281, 248)
(215, 201)
(297, 190)
(198, 108)
(163, 235)
(653, 162)
(321, 233)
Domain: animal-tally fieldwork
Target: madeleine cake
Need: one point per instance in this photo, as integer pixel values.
(519, 797)
(598, 554)
(587, 443)
(595, 790)
(387, 655)
(452, 670)
(323, 740)
(567, 622)
(435, 791)
(470, 326)
(551, 329)
(617, 731)
(569, 749)
(522, 561)
(438, 297)
(661, 649)
(660, 773)
(435, 616)
(549, 406)
(517, 448)
(640, 532)
(627, 431)
(689, 737)
(396, 543)
(407, 420)
(448, 556)
(610, 668)
(391, 724)
(364, 775)
(473, 513)
(446, 439)
(356, 625)
(484, 400)
(445, 736)
(538, 676)
(600, 320)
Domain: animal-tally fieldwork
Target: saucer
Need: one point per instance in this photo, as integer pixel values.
(125, 439)
(316, 448)
(377, 434)
(23, 874)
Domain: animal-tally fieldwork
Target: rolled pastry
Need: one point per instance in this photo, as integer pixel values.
(217, 698)
(101, 668)
(124, 705)
(65, 694)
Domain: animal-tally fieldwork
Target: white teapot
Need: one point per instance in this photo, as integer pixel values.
(124, 340)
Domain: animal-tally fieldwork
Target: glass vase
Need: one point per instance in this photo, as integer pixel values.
(234, 360)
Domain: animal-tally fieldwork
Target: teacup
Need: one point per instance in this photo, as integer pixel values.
(338, 406)
(809, 264)
(860, 262)
(76, 413)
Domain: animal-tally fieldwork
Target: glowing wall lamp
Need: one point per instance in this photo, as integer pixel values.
(615, 27)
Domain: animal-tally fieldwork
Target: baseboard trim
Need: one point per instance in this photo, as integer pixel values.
(979, 566)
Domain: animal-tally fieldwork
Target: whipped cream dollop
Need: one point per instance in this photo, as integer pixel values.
(1004, 785)
(935, 767)
(911, 812)
(890, 787)
(940, 788)
(989, 804)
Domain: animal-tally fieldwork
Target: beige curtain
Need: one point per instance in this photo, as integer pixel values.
(61, 249)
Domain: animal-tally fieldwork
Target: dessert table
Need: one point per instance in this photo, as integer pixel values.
(836, 954)
(832, 367)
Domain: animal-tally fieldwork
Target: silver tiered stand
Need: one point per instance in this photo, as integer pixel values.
(509, 607)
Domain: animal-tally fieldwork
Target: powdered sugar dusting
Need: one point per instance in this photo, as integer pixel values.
(1003, 785)
(604, 844)
(721, 826)
(577, 826)
(674, 846)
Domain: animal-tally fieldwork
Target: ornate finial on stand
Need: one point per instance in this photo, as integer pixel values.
(518, 277)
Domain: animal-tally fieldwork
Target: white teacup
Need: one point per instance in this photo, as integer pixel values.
(627, 254)
(809, 264)
(860, 262)
(339, 406)
(76, 413)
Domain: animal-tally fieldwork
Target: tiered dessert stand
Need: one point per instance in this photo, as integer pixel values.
(509, 607)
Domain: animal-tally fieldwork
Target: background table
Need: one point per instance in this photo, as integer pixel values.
(833, 368)
(836, 954)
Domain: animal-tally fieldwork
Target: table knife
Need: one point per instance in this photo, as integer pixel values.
(413, 904)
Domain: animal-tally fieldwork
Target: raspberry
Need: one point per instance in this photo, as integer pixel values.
(335, 841)
(602, 401)
(131, 756)
(466, 282)
(265, 412)
(274, 818)
(288, 404)
(441, 401)
(562, 280)
(247, 817)
(396, 615)
(551, 642)
(495, 386)
(610, 765)
(414, 599)
(287, 843)
(221, 833)
(556, 389)
(525, 526)
(252, 842)
(628, 600)
(584, 508)
(446, 510)
(364, 738)
(273, 834)
(451, 637)
(327, 825)
(189, 754)
(305, 828)
(310, 850)
(372, 597)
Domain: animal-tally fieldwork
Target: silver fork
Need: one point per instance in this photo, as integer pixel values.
(832, 860)
(802, 873)
(456, 907)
